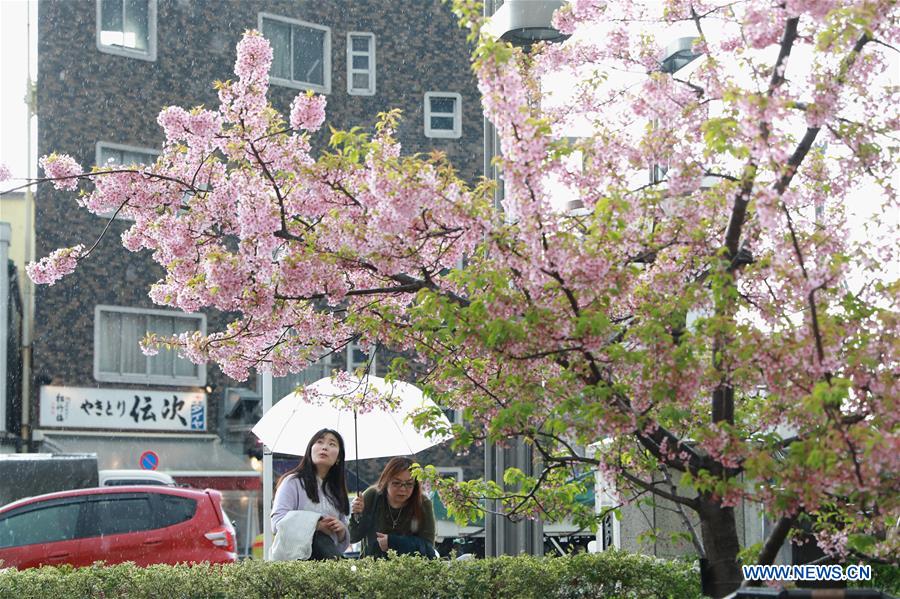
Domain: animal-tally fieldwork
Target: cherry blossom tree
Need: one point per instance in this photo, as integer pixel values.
(716, 334)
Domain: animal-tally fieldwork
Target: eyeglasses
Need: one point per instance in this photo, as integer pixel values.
(397, 484)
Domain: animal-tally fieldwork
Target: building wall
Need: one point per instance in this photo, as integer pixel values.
(661, 515)
(12, 211)
(12, 214)
(86, 96)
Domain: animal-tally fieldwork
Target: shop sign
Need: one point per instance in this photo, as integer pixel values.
(142, 409)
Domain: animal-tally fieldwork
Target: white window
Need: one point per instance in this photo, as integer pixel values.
(110, 155)
(454, 416)
(127, 28)
(301, 52)
(118, 356)
(358, 361)
(443, 114)
(360, 64)
(284, 385)
(454, 472)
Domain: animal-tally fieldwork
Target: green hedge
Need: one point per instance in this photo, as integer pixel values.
(608, 574)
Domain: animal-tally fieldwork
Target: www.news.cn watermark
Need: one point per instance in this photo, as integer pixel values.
(808, 572)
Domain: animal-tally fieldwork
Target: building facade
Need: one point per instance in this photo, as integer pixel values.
(105, 70)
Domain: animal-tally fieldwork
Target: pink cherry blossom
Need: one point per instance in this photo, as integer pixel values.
(729, 277)
(58, 264)
(254, 56)
(308, 111)
(62, 169)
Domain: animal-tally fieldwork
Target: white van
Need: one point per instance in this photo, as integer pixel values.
(115, 478)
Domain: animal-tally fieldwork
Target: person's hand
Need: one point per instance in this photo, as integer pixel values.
(322, 524)
(358, 505)
(382, 540)
(328, 524)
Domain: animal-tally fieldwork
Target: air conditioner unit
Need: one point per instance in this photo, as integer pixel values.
(240, 403)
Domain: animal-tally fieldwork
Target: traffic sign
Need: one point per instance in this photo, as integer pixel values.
(149, 460)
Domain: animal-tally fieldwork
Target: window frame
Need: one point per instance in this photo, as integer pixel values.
(92, 526)
(161, 511)
(80, 523)
(456, 132)
(371, 53)
(146, 379)
(108, 145)
(325, 88)
(450, 471)
(149, 54)
(368, 364)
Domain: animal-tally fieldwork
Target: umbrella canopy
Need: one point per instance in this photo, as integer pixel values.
(329, 403)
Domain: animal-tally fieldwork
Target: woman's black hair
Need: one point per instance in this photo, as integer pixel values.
(335, 483)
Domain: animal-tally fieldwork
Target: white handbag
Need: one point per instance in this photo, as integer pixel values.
(294, 538)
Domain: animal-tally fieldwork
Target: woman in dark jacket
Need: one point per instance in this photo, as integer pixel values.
(393, 514)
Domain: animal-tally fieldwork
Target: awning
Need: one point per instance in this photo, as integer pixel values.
(196, 460)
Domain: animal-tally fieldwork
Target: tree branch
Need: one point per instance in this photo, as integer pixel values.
(651, 488)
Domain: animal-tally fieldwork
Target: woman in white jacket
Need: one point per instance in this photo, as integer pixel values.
(318, 484)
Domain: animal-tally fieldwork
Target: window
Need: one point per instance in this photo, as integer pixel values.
(127, 28)
(606, 501)
(118, 356)
(43, 523)
(175, 510)
(443, 115)
(283, 385)
(454, 472)
(110, 154)
(358, 361)
(360, 64)
(454, 416)
(125, 482)
(122, 514)
(301, 52)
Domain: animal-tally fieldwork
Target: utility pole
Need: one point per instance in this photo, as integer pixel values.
(27, 285)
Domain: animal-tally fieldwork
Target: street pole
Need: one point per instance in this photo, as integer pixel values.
(27, 285)
(502, 536)
(267, 469)
(5, 234)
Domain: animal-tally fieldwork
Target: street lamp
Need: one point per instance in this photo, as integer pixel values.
(520, 23)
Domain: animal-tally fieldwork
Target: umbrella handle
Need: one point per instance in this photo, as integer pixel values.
(356, 450)
(355, 517)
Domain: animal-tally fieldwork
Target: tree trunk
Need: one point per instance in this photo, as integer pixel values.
(718, 528)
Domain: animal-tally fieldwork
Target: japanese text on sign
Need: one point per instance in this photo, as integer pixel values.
(79, 407)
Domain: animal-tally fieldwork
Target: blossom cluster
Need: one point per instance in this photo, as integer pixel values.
(726, 278)
(62, 169)
(58, 264)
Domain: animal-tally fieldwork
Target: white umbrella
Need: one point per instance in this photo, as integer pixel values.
(330, 403)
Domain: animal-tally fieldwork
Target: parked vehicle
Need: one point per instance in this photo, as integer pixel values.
(28, 474)
(117, 478)
(141, 524)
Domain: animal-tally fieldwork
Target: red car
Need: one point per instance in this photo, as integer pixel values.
(140, 524)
